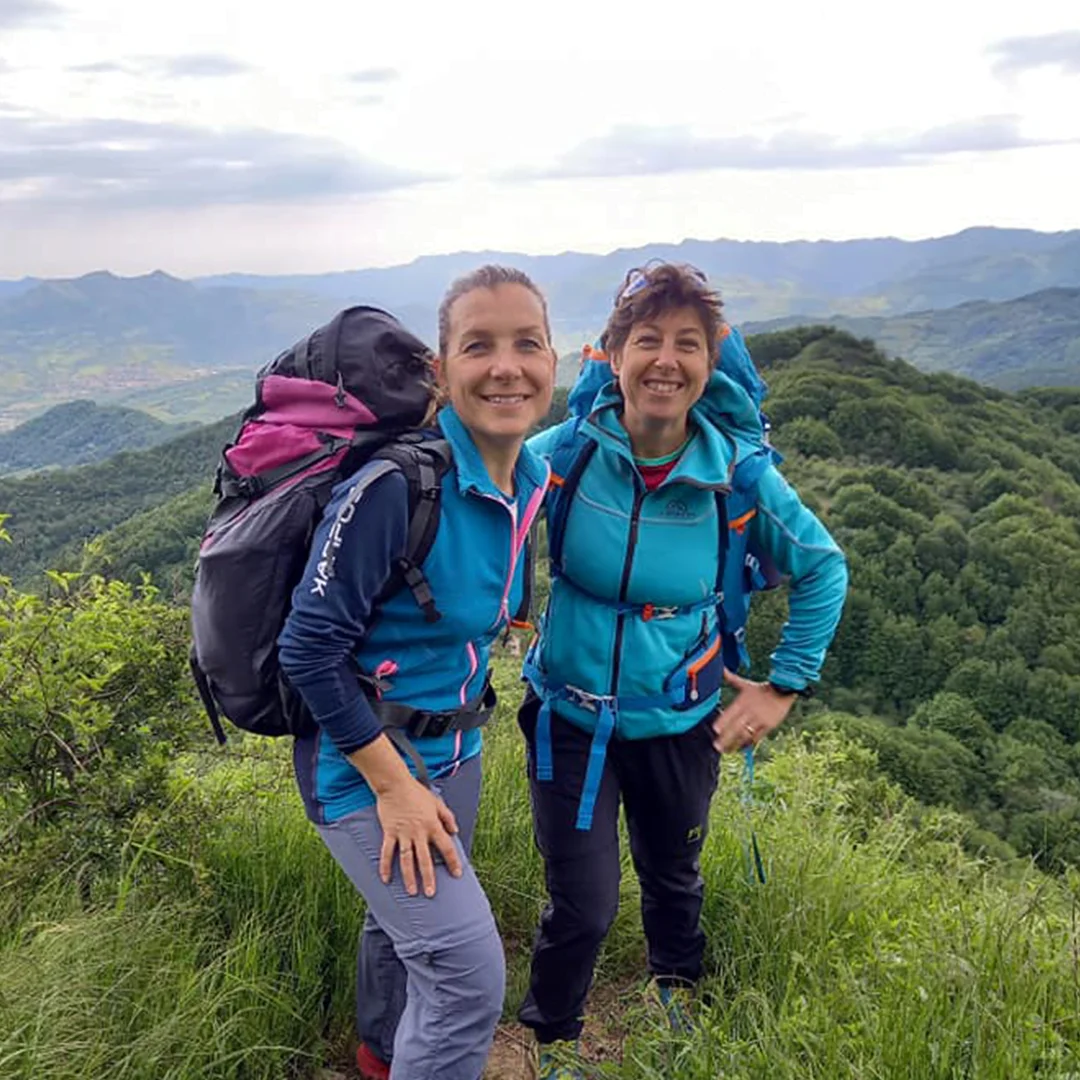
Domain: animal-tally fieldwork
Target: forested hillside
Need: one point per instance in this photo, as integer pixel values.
(52, 515)
(897, 933)
(79, 433)
(1030, 341)
(958, 658)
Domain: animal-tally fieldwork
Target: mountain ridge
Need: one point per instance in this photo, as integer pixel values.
(112, 338)
(977, 339)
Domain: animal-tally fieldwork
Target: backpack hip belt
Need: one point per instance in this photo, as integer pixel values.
(606, 707)
(401, 721)
(426, 724)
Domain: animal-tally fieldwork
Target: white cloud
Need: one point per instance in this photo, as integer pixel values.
(126, 164)
(1057, 50)
(762, 120)
(15, 13)
(196, 66)
(100, 67)
(374, 75)
(185, 66)
(641, 151)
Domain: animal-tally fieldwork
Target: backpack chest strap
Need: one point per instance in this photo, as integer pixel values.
(646, 611)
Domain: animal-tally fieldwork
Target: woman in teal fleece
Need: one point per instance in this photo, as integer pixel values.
(431, 972)
(665, 501)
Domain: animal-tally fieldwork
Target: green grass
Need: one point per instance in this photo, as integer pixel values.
(876, 949)
(227, 949)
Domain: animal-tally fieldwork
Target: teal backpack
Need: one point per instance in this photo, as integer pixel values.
(742, 571)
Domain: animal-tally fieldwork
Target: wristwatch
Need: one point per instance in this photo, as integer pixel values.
(790, 691)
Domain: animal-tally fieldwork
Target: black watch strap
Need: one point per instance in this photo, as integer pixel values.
(790, 691)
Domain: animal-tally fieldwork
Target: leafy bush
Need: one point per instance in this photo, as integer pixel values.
(93, 704)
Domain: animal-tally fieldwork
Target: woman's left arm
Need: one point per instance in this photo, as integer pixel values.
(803, 550)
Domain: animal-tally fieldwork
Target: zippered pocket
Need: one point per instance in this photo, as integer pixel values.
(699, 676)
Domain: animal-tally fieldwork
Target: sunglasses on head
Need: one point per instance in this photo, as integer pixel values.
(637, 279)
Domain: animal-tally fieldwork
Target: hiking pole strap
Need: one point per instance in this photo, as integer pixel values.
(202, 684)
(755, 865)
(398, 737)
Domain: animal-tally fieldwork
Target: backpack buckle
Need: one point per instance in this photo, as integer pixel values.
(585, 699)
(249, 486)
(653, 611)
(430, 725)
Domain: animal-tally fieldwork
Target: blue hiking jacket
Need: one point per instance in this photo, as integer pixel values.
(475, 571)
(624, 546)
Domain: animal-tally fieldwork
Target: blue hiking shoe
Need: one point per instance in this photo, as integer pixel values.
(676, 1001)
(557, 1061)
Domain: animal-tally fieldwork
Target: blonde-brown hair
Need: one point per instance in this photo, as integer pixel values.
(488, 276)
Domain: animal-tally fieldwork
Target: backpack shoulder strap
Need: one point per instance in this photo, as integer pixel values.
(423, 463)
(741, 569)
(722, 526)
(762, 573)
(568, 464)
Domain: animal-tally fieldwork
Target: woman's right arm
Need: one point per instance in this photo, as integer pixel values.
(362, 533)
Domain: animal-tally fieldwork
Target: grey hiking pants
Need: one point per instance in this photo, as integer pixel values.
(431, 974)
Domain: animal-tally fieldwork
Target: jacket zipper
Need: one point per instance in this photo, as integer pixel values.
(518, 534)
(695, 668)
(511, 509)
(624, 586)
(474, 666)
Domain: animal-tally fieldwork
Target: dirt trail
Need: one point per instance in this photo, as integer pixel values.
(510, 1053)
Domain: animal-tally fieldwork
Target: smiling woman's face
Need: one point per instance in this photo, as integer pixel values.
(499, 367)
(664, 367)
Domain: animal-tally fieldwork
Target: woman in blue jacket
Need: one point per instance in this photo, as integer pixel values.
(430, 953)
(665, 499)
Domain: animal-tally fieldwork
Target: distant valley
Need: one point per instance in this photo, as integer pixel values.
(186, 351)
(108, 338)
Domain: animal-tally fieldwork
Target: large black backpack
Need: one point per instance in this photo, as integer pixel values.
(356, 389)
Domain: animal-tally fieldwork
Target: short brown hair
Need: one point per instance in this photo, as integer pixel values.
(651, 290)
(488, 276)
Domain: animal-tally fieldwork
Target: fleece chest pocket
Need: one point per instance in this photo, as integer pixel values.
(699, 676)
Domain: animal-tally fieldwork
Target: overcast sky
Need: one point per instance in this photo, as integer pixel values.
(216, 135)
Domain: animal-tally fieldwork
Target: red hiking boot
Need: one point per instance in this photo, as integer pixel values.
(370, 1066)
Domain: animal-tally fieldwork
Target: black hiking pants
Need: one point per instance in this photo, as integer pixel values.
(666, 785)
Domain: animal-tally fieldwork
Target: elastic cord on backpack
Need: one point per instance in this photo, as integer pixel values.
(755, 866)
